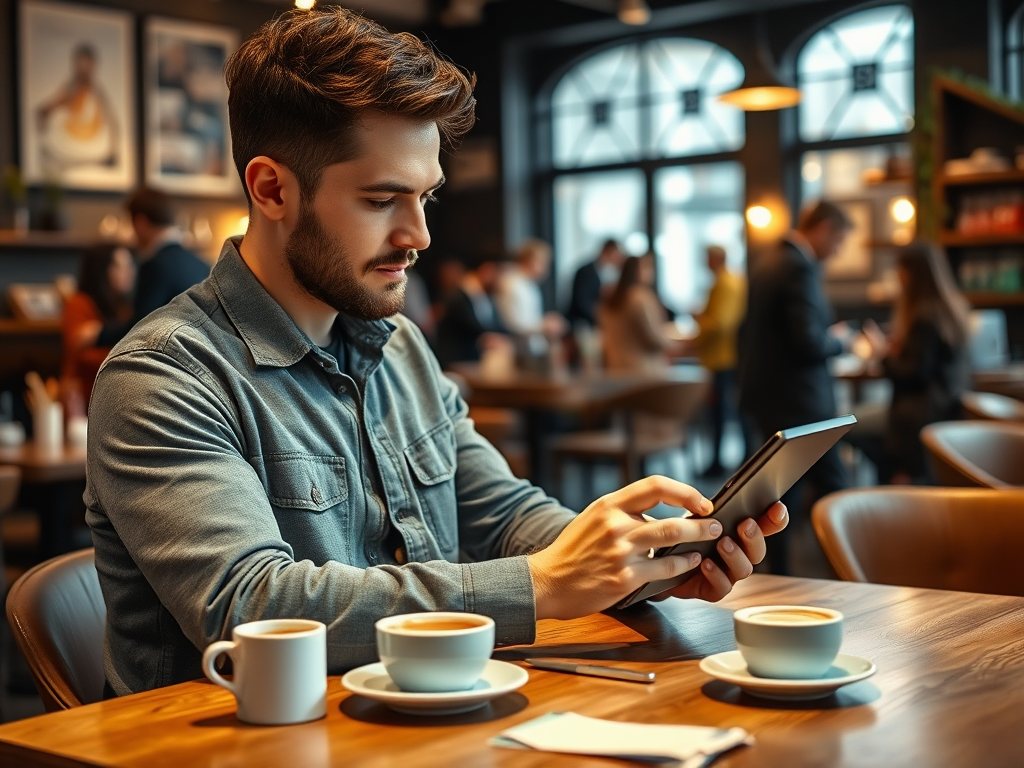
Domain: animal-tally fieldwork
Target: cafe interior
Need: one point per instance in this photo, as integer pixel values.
(606, 288)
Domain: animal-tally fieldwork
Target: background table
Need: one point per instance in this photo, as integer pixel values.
(949, 692)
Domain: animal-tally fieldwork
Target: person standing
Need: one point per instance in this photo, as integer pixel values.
(785, 345)
(632, 321)
(719, 325)
(589, 283)
(520, 302)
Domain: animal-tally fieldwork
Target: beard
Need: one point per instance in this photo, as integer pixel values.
(324, 270)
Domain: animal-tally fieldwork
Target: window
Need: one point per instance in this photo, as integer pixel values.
(1015, 55)
(634, 130)
(856, 76)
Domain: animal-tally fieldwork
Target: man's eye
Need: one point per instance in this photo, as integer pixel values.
(382, 204)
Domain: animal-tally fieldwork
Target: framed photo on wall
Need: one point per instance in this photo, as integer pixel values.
(188, 145)
(76, 81)
(853, 260)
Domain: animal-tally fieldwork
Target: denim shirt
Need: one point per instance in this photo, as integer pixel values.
(235, 474)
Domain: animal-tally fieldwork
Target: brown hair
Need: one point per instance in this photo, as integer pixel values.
(930, 295)
(628, 278)
(94, 282)
(153, 205)
(299, 84)
(823, 210)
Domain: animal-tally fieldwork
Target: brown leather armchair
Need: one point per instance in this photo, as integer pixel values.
(984, 454)
(965, 539)
(991, 406)
(57, 616)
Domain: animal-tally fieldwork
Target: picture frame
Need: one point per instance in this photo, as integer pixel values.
(35, 302)
(188, 144)
(76, 94)
(853, 261)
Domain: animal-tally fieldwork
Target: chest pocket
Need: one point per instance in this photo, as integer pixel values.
(305, 481)
(431, 459)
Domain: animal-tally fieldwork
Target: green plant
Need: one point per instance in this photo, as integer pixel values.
(14, 185)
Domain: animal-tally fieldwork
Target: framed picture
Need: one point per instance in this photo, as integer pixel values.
(35, 301)
(853, 260)
(188, 145)
(76, 96)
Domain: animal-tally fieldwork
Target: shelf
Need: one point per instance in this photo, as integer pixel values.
(56, 240)
(12, 327)
(970, 241)
(880, 244)
(1015, 176)
(994, 298)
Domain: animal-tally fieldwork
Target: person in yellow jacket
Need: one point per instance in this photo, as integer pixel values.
(719, 325)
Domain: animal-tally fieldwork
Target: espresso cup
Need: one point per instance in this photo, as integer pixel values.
(792, 642)
(280, 670)
(435, 652)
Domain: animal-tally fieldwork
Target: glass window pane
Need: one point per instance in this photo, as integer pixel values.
(696, 206)
(878, 41)
(589, 209)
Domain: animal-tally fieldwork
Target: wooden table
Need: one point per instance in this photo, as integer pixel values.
(949, 692)
(59, 476)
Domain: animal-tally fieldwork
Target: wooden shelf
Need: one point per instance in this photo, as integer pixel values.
(994, 298)
(38, 239)
(1015, 176)
(957, 240)
(12, 327)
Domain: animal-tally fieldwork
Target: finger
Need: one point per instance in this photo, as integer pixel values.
(752, 540)
(713, 584)
(667, 567)
(644, 494)
(674, 530)
(774, 520)
(737, 564)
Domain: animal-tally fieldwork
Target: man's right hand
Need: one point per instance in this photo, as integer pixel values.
(603, 555)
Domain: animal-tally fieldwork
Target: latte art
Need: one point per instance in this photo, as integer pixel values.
(791, 617)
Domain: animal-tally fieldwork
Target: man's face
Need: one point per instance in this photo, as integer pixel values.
(362, 229)
(826, 239)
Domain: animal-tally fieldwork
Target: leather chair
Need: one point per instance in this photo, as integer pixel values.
(674, 403)
(991, 407)
(57, 615)
(965, 539)
(985, 454)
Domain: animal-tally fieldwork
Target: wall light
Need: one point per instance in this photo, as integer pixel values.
(305, 4)
(758, 216)
(634, 12)
(902, 210)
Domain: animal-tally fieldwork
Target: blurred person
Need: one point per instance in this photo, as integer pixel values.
(925, 357)
(106, 279)
(471, 322)
(417, 305)
(632, 321)
(719, 325)
(280, 441)
(592, 282)
(786, 341)
(520, 302)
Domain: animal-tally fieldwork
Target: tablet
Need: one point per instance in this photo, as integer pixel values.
(762, 480)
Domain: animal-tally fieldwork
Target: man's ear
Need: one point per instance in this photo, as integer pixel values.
(273, 188)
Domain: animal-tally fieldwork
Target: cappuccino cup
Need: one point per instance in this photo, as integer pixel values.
(791, 642)
(435, 652)
(280, 670)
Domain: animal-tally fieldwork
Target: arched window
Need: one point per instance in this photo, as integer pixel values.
(632, 129)
(857, 76)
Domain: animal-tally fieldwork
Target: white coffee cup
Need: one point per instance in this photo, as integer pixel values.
(435, 652)
(280, 670)
(792, 642)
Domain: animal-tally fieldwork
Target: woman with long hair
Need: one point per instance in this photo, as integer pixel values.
(105, 282)
(925, 357)
(632, 320)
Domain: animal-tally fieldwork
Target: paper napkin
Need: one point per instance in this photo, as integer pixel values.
(690, 745)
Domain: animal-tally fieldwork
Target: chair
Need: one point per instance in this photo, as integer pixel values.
(964, 539)
(57, 615)
(627, 445)
(989, 406)
(976, 453)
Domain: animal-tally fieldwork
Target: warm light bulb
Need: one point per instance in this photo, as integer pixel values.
(243, 225)
(902, 210)
(305, 4)
(758, 216)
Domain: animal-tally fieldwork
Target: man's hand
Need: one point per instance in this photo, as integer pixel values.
(602, 555)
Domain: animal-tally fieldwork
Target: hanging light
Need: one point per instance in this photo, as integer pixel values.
(762, 89)
(634, 12)
(305, 5)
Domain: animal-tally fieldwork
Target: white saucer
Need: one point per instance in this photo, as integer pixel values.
(498, 678)
(731, 668)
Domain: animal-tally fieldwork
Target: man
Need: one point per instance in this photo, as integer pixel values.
(269, 445)
(786, 344)
(520, 301)
(589, 282)
(166, 267)
(470, 321)
(719, 325)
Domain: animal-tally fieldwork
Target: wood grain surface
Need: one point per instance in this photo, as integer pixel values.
(39, 466)
(949, 692)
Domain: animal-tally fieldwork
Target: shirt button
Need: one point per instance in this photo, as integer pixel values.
(342, 389)
(400, 557)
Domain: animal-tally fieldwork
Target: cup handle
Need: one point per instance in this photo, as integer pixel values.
(210, 657)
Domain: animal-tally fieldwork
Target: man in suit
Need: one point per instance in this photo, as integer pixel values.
(471, 322)
(785, 345)
(587, 284)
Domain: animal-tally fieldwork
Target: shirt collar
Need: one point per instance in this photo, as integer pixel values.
(799, 242)
(165, 238)
(268, 331)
